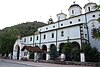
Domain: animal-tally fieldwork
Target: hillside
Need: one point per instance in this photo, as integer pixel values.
(9, 35)
(27, 28)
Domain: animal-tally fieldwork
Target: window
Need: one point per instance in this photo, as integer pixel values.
(79, 19)
(85, 35)
(53, 26)
(58, 18)
(25, 40)
(89, 8)
(61, 24)
(44, 36)
(70, 22)
(72, 11)
(52, 35)
(62, 33)
(30, 38)
(93, 15)
(25, 53)
(37, 38)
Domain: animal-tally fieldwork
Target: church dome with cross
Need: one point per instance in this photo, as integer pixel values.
(90, 7)
(74, 10)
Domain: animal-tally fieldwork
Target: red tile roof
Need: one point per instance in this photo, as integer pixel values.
(32, 49)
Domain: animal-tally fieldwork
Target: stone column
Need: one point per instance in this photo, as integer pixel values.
(62, 57)
(35, 56)
(47, 56)
(82, 57)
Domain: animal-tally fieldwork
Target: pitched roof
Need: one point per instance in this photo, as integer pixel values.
(31, 49)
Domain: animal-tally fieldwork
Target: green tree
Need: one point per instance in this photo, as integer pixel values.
(7, 39)
(97, 33)
(97, 7)
(91, 54)
(8, 34)
(75, 54)
(31, 55)
(53, 53)
(67, 50)
(71, 52)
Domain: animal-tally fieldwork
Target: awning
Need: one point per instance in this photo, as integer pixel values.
(32, 49)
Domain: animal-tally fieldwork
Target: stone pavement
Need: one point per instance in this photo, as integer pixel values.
(38, 64)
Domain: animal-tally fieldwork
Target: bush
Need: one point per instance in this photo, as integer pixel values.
(31, 55)
(91, 53)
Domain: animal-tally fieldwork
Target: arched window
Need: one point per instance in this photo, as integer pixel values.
(89, 8)
(62, 33)
(52, 35)
(72, 11)
(44, 36)
(37, 38)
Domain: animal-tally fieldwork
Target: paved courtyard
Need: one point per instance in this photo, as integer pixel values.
(15, 63)
(9, 64)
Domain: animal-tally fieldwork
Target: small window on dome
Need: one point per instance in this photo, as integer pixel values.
(89, 8)
(72, 11)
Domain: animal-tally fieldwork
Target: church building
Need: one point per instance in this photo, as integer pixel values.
(78, 28)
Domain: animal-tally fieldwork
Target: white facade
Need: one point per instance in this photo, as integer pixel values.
(76, 28)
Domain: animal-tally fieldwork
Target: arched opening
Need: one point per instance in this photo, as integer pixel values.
(61, 47)
(44, 48)
(17, 48)
(53, 52)
(75, 45)
(75, 52)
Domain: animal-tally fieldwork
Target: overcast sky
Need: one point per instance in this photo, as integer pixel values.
(13, 12)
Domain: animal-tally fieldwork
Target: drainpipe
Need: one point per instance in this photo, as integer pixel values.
(87, 27)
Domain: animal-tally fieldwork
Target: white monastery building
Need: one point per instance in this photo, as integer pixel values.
(78, 29)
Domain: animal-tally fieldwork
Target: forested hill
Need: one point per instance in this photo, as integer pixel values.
(9, 35)
(27, 28)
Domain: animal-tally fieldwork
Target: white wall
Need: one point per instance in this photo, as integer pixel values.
(28, 42)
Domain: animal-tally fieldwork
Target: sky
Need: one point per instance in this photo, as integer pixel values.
(13, 12)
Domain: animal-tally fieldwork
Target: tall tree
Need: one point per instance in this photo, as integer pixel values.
(53, 52)
(91, 53)
(7, 40)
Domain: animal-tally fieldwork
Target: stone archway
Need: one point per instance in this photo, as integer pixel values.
(44, 48)
(76, 45)
(53, 51)
(61, 47)
(17, 49)
(75, 51)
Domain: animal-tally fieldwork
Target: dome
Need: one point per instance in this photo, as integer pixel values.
(90, 7)
(89, 4)
(74, 10)
(74, 5)
(50, 19)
